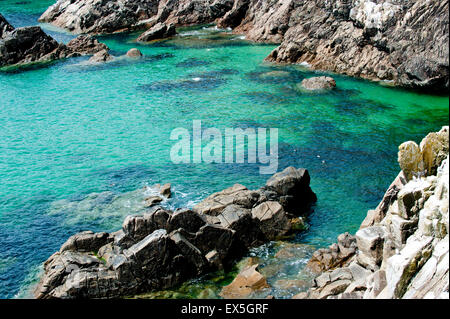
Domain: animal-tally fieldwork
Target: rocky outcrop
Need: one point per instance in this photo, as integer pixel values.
(158, 31)
(162, 248)
(402, 248)
(401, 41)
(27, 45)
(96, 17)
(86, 45)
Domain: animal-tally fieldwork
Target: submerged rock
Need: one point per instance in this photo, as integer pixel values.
(101, 56)
(160, 248)
(319, 83)
(134, 53)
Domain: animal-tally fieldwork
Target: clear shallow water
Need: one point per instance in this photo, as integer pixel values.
(78, 143)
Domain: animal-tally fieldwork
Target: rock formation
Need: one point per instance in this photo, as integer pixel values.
(158, 31)
(161, 248)
(401, 41)
(319, 83)
(27, 45)
(135, 53)
(402, 247)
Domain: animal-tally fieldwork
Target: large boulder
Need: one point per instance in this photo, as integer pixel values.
(135, 53)
(410, 159)
(272, 219)
(320, 83)
(101, 56)
(28, 45)
(238, 194)
(293, 189)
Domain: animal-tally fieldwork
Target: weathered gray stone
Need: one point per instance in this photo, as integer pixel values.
(334, 288)
(272, 219)
(186, 219)
(158, 31)
(86, 242)
(370, 242)
(319, 83)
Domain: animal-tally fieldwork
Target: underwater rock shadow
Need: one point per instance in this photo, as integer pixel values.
(192, 63)
(195, 84)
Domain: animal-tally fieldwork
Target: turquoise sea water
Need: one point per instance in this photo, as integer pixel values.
(79, 142)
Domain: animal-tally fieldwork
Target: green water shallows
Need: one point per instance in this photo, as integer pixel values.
(78, 142)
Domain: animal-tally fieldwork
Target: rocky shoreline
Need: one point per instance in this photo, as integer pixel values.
(402, 247)
(161, 248)
(396, 41)
(31, 45)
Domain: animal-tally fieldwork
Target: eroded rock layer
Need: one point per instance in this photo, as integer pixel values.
(161, 248)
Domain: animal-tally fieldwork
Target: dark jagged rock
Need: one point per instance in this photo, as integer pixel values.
(27, 45)
(401, 41)
(405, 42)
(86, 45)
(160, 249)
(4, 26)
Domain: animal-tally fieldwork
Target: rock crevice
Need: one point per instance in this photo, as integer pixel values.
(161, 248)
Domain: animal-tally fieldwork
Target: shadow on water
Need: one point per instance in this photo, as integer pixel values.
(196, 84)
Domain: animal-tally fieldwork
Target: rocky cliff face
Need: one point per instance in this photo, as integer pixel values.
(402, 247)
(405, 42)
(401, 41)
(161, 248)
